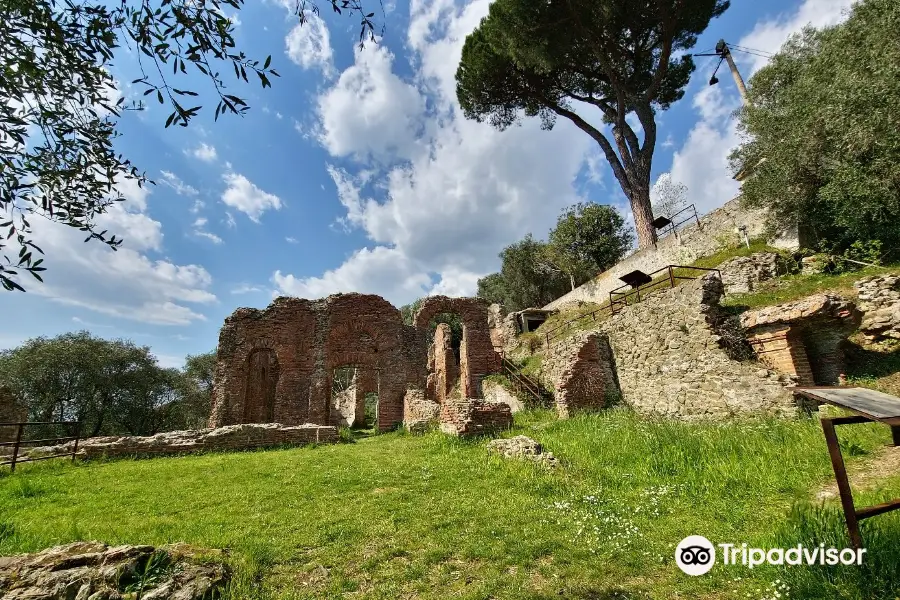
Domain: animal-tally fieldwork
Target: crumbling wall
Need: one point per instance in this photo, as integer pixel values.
(445, 373)
(466, 417)
(803, 339)
(879, 300)
(277, 364)
(477, 356)
(582, 371)
(743, 274)
(669, 359)
(419, 413)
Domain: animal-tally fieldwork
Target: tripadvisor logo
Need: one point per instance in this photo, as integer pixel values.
(696, 555)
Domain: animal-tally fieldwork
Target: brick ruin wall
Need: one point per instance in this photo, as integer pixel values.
(669, 359)
(803, 339)
(444, 369)
(277, 364)
(581, 370)
(477, 356)
(681, 248)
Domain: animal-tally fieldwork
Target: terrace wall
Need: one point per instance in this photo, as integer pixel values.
(680, 248)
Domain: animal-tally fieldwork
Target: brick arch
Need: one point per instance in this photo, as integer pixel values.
(477, 357)
(366, 331)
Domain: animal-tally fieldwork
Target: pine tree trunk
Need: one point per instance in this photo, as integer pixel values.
(643, 216)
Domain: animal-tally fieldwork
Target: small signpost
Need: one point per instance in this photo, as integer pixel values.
(869, 406)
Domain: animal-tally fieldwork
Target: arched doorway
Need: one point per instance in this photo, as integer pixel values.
(262, 379)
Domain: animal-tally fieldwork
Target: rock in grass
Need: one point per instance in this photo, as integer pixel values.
(96, 571)
(523, 448)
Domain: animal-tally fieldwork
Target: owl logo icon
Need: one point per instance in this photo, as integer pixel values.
(695, 555)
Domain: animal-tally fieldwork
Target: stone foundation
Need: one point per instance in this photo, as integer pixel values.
(230, 437)
(419, 413)
(474, 417)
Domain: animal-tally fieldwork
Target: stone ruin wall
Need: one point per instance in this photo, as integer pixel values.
(680, 248)
(668, 359)
(276, 365)
(477, 356)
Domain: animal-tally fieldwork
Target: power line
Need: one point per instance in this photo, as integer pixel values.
(764, 53)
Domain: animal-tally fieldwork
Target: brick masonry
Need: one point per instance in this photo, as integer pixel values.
(803, 339)
(466, 417)
(582, 371)
(277, 364)
(477, 356)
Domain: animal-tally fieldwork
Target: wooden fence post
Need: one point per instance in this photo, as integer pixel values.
(12, 465)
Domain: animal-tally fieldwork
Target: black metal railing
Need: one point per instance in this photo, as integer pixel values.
(664, 278)
(688, 213)
(20, 443)
(522, 382)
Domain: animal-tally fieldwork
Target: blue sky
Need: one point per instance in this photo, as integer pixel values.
(354, 172)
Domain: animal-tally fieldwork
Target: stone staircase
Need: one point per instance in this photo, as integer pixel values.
(524, 384)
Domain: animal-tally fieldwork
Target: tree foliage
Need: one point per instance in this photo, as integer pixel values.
(668, 196)
(821, 133)
(526, 280)
(57, 119)
(588, 239)
(109, 386)
(564, 58)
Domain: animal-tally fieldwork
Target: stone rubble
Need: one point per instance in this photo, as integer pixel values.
(523, 448)
(97, 571)
(419, 413)
(743, 274)
(467, 417)
(230, 437)
(879, 299)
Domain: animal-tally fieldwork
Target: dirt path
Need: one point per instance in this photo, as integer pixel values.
(866, 474)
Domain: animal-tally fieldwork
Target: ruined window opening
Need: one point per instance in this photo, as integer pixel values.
(532, 323)
(354, 398)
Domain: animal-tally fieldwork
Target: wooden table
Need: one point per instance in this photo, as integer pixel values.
(869, 406)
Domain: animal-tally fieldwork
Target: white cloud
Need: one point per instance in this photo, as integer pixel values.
(309, 46)
(247, 289)
(371, 112)
(702, 162)
(200, 231)
(381, 271)
(243, 195)
(181, 188)
(457, 191)
(291, 240)
(205, 152)
(126, 283)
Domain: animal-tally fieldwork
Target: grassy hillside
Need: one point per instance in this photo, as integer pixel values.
(399, 516)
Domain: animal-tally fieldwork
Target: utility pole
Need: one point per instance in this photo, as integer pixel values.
(724, 53)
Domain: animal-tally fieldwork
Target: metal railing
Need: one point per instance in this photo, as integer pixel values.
(664, 278)
(17, 445)
(686, 214)
(521, 381)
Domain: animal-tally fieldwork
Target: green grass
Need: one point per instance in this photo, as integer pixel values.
(714, 260)
(401, 516)
(793, 287)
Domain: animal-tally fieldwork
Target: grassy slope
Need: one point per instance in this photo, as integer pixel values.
(398, 516)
